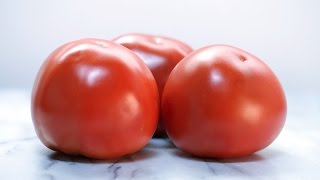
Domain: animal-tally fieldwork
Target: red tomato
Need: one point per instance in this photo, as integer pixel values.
(161, 54)
(222, 102)
(95, 98)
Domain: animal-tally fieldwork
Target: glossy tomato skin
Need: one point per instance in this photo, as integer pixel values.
(160, 54)
(94, 98)
(222, 102)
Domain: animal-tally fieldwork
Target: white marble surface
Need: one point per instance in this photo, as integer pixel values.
(294, 155)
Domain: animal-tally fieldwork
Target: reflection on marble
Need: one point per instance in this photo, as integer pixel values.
(294, 155)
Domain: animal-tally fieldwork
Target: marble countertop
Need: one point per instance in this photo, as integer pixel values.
(294, 154)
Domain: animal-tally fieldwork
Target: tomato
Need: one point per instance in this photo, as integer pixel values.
(222, 102)
(161, 54)
(95, 98)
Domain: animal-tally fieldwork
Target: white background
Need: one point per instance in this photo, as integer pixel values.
(285, 34)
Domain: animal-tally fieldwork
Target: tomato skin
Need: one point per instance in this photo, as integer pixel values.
(95, 98)
(161, 54)
(222, 102)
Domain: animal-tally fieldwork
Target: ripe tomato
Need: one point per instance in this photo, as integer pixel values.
(160, 54)
(222, 102)
(95, 98)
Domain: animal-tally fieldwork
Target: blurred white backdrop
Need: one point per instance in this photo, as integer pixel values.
(283, 33)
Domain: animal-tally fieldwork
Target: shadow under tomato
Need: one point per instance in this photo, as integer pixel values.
(254, 166)
(256, 157)
(158, 143)
(138, 156)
